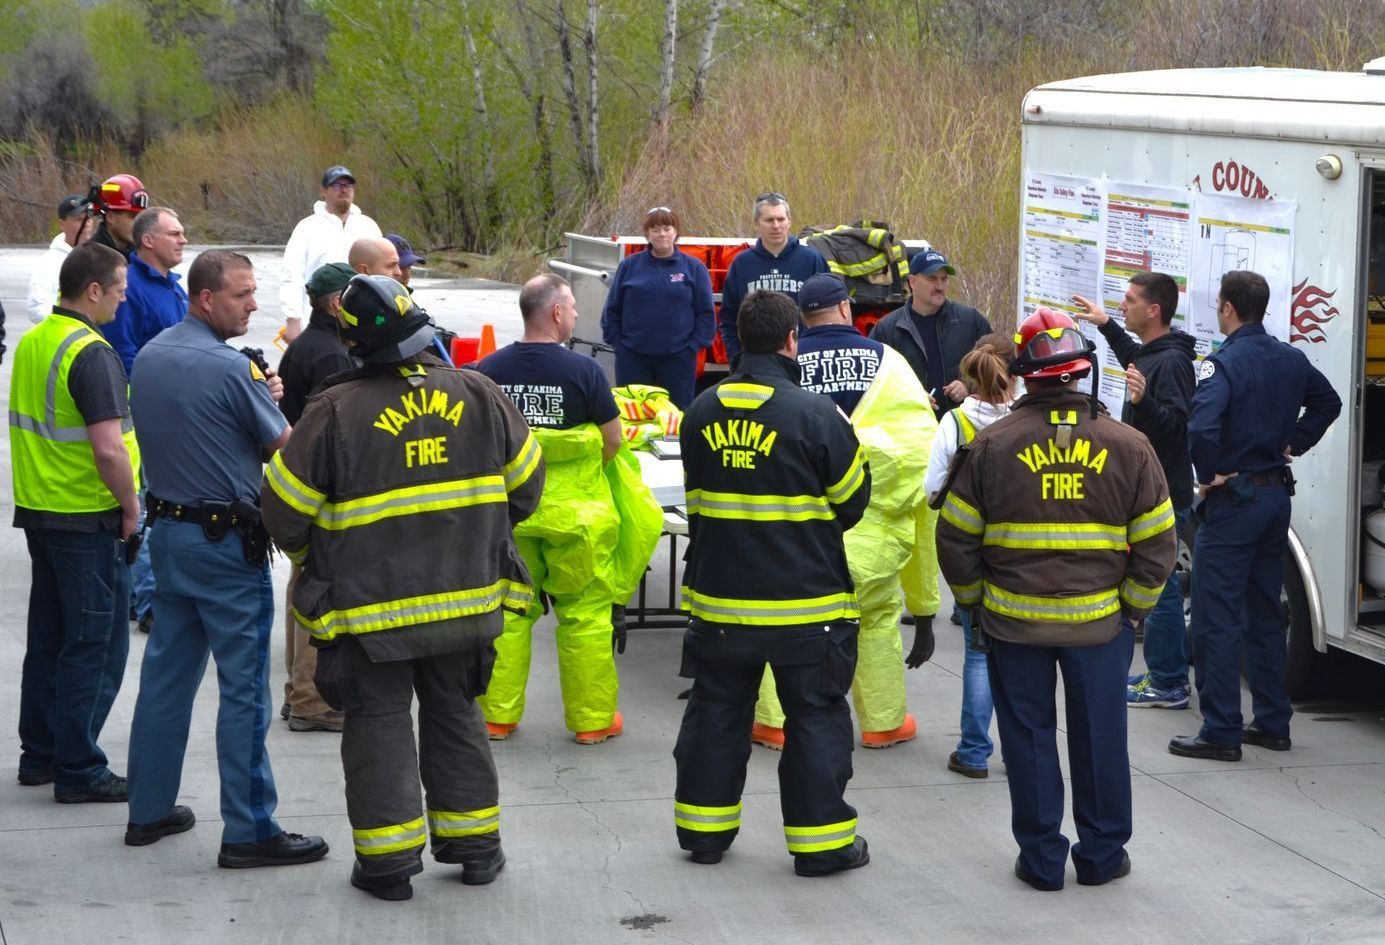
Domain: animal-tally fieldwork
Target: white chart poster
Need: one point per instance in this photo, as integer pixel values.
(1148, 229)
(1236, 233)
(1062, 252)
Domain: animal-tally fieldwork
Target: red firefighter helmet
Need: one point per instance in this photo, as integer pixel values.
(1049, 345)
(123, 192)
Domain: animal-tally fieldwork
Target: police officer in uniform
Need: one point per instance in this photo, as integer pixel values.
(206, 418)
(404, 447)
(1056, 523)
(1258, 404)
(769, 466)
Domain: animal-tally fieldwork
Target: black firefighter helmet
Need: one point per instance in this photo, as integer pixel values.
(382, 322)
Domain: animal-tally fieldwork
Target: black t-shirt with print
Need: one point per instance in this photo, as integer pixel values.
(552, 386)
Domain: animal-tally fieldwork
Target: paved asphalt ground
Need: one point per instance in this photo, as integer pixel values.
(1280, 848)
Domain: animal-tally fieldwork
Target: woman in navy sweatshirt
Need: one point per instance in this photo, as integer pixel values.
(659, 312)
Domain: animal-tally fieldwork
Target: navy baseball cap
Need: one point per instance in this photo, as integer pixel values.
(335, 173)
(928, 262)
(821, 291)
(407, 256)
(72, 205)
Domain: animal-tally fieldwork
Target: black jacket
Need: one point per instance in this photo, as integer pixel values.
(958, 330)
(1162, 413)
(103, 237)
(774, 476)
(311, 358)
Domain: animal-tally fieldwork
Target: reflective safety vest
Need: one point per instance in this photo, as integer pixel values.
(966, 430)
(50, 449)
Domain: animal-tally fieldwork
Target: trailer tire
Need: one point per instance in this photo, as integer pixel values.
(1304, 665)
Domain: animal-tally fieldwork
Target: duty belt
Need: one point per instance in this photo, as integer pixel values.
(216, 519)
(1275, 477)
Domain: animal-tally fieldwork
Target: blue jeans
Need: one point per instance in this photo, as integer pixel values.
(142, 582)
(1166, 632)
(78, 637)
(974, 747)
(208, 601)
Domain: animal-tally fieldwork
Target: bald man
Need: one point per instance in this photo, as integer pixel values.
(374, 257)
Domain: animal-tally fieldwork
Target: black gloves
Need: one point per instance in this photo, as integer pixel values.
(922, 650)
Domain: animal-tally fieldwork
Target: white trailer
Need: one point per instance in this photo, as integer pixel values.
(1304, 154)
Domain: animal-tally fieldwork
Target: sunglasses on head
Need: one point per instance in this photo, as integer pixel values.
(772, 197)
(658, 210)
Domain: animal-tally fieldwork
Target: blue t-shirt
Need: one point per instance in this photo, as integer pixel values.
(203, 415)
(153, 302)
(659, 306)
(552, 386)
(838, 361)
(933, 351)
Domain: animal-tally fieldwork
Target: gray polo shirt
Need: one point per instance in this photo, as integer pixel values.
(203, 415)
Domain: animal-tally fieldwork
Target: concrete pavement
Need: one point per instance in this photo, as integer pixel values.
(1280, 848)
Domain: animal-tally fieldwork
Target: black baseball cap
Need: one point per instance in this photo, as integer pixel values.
(821, 291)
(71, 205)
(335, 173)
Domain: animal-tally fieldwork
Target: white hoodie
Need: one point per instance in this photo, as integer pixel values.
(981, 414)
(43, 284)
(316, 241)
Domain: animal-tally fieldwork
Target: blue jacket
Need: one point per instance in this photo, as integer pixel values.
(152, 303)
(659, 306)
(755, 269)
(1256, 396)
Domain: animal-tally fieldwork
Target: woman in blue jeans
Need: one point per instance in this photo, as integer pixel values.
(990, 390)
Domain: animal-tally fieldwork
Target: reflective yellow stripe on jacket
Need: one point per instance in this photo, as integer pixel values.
(739, 396)
(771, 613)
(377, 841)
(423, 609)
(518, 470)
(962, 515)
(1154, 522)
(818, 839)
(707, 819)
(1141, 596)
(1077, 609)
(1066, 536)
(855, 475)
(448, 824)
(757, 508)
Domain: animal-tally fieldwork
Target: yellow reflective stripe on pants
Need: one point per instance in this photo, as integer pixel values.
(294, 492)
(395, 838)
(818, 839)
(967, 595)
(394, 614)
(757, 508)
(1074, 609)
(707, 819)
(771, 613)
(1154, 522)
(961, 515)
(743, 396)
(434, 497)
(518, 470)
(1140, 595)
(447, 823)
(845, 487)
(1068, 536)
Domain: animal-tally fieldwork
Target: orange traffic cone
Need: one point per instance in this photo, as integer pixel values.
(487, 341)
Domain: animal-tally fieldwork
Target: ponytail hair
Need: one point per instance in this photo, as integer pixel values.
(985, 368)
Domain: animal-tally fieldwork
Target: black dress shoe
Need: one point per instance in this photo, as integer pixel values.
(1195, 746)
(179, 820)
(705, 857)
(35, 778)
(1253, 736)
(391, 890)
(1025, 876)
(285, 849)
(812, 866)
(113, 790)
(1122, 870)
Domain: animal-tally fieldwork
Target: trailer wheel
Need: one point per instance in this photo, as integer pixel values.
(1305, 665)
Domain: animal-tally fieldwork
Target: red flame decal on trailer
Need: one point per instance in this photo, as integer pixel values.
(1311, 309)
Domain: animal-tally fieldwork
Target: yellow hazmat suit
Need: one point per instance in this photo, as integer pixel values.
(585, 547)
(896, 425)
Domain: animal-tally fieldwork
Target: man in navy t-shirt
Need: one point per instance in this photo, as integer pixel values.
(551, 385)
(833, 357)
